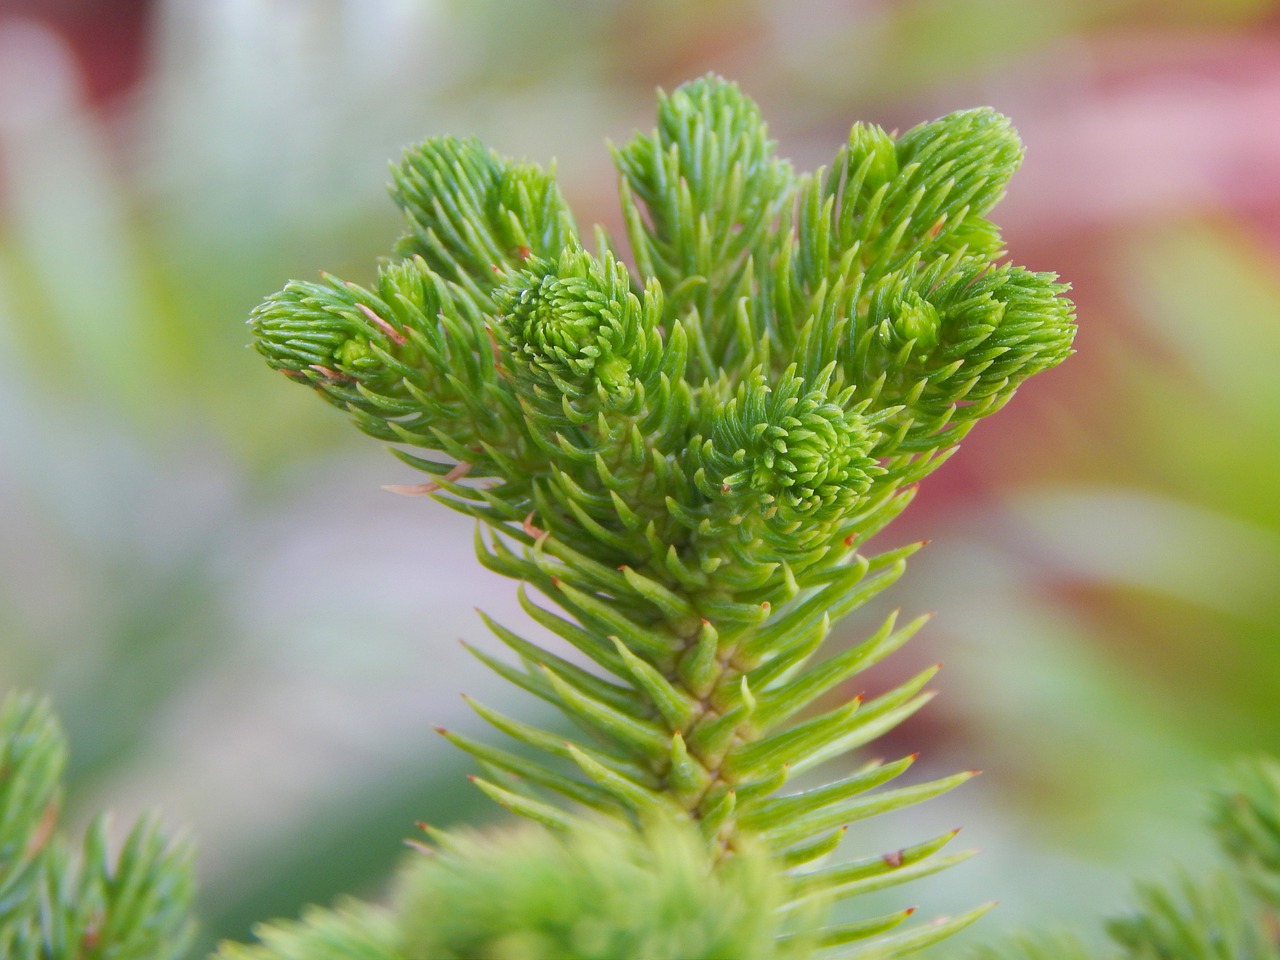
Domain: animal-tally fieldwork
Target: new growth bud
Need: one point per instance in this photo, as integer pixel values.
(792, 450)
(573, 326)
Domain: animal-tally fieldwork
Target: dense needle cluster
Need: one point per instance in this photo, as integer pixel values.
(684, 457)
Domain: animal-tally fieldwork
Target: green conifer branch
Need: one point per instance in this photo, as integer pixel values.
(685, 461)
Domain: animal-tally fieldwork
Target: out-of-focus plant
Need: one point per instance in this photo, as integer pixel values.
(1223, 915)
(58, 906)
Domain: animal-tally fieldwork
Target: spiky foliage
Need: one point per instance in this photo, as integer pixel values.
(684, 460)
(55, 905)
(1227, 915)
(350, 931)
(596, 890)
(594, 893)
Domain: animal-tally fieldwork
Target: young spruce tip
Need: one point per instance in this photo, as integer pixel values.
(682, 457)
(679, 444)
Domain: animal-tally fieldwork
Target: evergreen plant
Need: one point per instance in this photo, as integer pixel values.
(680, 461)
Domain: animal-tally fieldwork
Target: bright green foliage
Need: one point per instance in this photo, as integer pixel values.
(350, 931)
(701, 197)
(594, 891)
(685, 459)
(471, 213)
(54, 906)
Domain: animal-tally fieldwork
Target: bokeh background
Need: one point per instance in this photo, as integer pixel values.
(240, 628)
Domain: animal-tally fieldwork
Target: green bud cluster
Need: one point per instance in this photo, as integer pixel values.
(801, 454)
(685, 459)
(575, 327)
